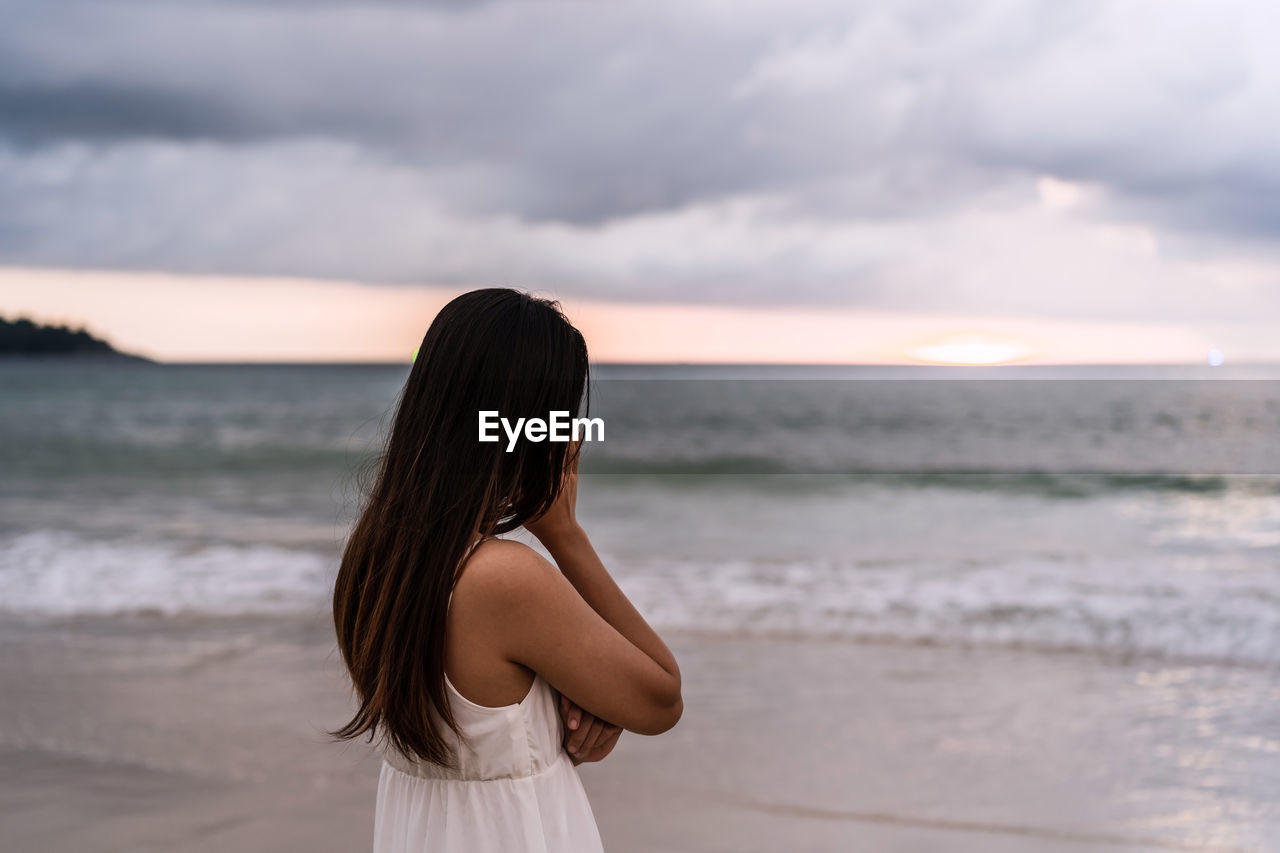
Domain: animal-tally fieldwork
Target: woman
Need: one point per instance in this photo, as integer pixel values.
(464, 647)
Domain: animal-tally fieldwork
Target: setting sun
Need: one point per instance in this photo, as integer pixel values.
(971, 349)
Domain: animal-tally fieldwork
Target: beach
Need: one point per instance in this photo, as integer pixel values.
(910, 615)
(154, 734)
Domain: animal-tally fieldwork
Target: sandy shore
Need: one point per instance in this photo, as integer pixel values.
(181, 735)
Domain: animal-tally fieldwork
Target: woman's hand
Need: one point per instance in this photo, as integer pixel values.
(587, 738)
(560, 518)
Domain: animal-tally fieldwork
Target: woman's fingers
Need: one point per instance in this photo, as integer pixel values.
(604, 745)
(589, 737)
(570, 713)
(579, 738)
(584, 739)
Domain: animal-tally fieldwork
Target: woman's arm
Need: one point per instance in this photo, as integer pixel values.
(559, 532)
(574, 626)
(577, 559)
(541, 622)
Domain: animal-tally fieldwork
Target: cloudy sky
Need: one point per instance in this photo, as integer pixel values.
(1084, 180)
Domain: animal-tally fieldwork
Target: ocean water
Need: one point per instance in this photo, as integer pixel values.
(1114, 514)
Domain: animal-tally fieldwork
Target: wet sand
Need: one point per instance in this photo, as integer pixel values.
(207, 735)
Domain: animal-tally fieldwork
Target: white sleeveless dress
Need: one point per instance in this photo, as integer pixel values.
(514, 789)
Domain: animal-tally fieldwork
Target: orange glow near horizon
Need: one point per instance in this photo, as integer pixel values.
(224, 318)
(972, 349)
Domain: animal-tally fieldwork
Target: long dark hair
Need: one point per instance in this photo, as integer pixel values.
(437, 490)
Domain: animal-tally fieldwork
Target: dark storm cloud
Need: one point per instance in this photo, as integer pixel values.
(581, 111)
(714, 150)
(96, 111)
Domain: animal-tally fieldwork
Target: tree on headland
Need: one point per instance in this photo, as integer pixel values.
(24, 337)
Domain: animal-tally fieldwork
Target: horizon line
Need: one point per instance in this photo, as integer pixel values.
(895, 364)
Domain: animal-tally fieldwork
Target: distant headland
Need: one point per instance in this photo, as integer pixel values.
(24, 338)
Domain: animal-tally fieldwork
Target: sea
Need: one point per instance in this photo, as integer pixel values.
(1116, 512)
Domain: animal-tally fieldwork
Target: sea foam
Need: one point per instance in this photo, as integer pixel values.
(56, 573)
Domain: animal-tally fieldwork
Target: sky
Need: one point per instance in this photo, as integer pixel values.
(890, 181)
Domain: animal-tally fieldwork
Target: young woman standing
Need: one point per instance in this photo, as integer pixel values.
(466, 649)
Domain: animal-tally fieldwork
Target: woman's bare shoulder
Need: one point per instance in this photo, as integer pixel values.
(499, 568)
